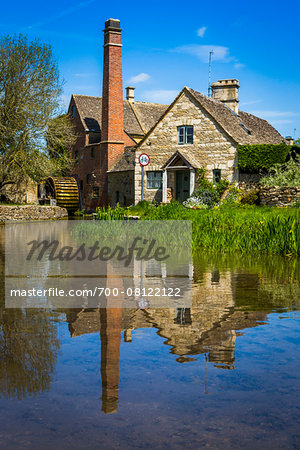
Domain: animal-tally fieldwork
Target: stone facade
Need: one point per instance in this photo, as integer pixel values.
(212, 148)
(25, 191)
(30, 212)
(274, 196)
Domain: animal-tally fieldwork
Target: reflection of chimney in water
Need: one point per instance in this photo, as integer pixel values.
(110, 333)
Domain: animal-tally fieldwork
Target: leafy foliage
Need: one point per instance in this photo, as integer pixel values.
(283, 175)
(253, 158)
(208, 196)
(29, 100)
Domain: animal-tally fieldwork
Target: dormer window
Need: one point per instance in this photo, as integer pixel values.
(185, 134)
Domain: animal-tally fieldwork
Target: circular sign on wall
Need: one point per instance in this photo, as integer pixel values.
(144, 159)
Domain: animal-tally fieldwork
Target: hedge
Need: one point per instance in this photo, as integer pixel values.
(253, 158)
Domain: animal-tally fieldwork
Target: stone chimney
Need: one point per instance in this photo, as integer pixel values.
(112, 130)
(227, 91)
(130, 93)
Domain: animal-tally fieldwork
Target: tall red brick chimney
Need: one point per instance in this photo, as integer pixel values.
(112, 130)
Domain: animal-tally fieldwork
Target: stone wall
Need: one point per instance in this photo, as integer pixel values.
(211, 147)
(25, 191)
(31, 212)
(274, 196)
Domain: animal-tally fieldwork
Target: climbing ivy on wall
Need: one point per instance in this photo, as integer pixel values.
(253, 158)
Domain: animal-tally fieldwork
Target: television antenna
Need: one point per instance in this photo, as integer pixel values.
(209, 73)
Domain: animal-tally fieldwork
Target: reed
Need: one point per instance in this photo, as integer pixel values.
(247, 229)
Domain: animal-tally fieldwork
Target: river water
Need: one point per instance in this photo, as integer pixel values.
(223, 373)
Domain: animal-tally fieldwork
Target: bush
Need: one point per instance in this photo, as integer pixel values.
(207, 196)
(283, 175)
(195, 203)
(222, 186)
(253, 158)
(233, 196)
(250, 198)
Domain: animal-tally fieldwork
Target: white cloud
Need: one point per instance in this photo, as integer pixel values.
(201, 31)
(275, 114)
(160, 96)
(238, 65)
(140, 78)
(202, 52)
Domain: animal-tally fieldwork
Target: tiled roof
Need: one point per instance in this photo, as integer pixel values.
(244, 128)
(126, 161)
(139, 117)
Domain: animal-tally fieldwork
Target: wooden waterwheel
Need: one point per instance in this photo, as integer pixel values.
(65, 192)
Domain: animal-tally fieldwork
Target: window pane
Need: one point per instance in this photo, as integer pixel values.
(189, 139)
(154, 180)
(189, 131)
(185, 134)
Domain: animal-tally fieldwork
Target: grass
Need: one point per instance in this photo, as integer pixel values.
(231, 228)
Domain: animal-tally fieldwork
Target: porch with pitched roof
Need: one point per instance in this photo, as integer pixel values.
(178, 181)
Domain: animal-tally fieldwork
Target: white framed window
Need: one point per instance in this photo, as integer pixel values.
(154, 180)
(185, 134)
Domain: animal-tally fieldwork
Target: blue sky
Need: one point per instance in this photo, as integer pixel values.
(166, 45)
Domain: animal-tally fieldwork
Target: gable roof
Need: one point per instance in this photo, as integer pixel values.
(139, 117)
(243, 128)
(185, 156)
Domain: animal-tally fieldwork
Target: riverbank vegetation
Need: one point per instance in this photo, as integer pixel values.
(227, 228)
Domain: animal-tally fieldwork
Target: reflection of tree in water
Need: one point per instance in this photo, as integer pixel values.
(28, 346)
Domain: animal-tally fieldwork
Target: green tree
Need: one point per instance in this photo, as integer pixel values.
(32, 141)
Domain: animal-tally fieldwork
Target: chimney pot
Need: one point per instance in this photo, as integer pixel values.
(130, 93)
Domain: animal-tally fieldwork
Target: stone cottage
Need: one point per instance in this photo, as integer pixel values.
(193, 132)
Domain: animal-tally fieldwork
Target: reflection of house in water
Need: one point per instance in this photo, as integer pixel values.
(209, 327)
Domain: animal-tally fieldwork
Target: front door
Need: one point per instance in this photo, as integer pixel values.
(182, 185)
